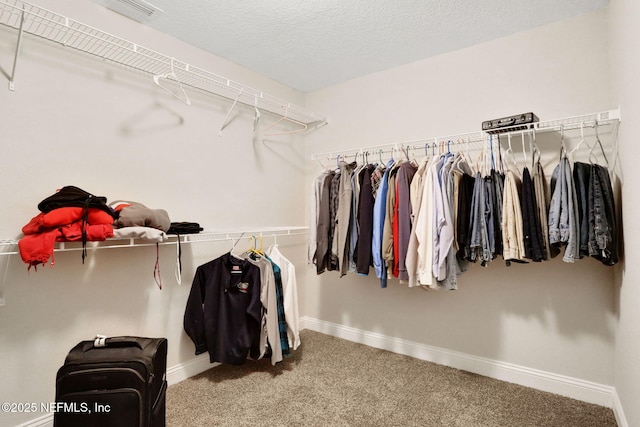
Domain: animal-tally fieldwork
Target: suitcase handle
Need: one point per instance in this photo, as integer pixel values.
(103, 341)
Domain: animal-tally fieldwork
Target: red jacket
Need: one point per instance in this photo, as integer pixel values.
(61, 225)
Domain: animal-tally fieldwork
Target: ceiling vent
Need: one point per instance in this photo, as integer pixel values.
(139, 10)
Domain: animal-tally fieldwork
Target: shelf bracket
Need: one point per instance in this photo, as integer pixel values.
(15, 59)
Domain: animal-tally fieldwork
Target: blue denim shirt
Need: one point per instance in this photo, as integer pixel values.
(563, 214)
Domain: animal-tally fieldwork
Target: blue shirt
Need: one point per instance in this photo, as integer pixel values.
(379, 214)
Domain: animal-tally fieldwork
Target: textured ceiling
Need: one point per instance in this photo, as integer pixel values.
(312, 44)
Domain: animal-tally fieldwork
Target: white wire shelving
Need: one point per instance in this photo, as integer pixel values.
(9, 246)
(609, 118)
(203, 237)
(34, 20)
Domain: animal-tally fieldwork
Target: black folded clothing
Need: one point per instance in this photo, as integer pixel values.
(184, 228)
(71, 196)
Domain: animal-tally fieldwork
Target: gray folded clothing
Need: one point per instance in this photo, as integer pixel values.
(132, 214)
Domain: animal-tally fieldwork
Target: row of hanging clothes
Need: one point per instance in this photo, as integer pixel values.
(244, 306)
(423, 222)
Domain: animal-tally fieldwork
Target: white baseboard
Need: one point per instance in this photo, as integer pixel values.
(575, 388)
(182, 371)
(618, 411)
(43, 421)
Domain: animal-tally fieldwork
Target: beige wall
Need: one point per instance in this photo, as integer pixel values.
(625, 43)
(555, 317)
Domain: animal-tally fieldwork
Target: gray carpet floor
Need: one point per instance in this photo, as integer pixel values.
(333, 382)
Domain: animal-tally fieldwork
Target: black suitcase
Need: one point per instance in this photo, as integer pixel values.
(113, 382)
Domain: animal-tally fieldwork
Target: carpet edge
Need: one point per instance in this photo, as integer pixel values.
(586, 391)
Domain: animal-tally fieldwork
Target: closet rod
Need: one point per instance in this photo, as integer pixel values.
(32, 19)
(567, 123)
(173, 239)
(398, 146)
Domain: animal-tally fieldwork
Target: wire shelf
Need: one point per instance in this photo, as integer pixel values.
(34, 20)
(10, 245)
(476, 140)
(172, 239)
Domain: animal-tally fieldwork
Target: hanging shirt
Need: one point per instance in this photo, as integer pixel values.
(448, 268)
(322, 253)
(582, 181)
(269, 332)
(424, 229)
(379, 214)
(333, 212)
(290, 289)
(282, 321)
(315, 211)
(223, 315)
(403, 184)
(395, 224)
(603, 244)
(443, 221)
(497, 180)
(354, 230)
(415, 191)
(533, 244)
(376, 178)
(465, 195)
(480, 246)
(365, 223)
(388, 232)
(512, 233)
(343, 216)
(563, 217)
(542, 201)
(488, 197)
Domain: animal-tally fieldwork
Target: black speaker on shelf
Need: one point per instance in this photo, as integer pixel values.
(511, 123)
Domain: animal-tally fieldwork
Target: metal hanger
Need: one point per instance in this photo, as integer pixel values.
(563, 148)
(256, 115)
(288, 119)
(533, 147)
(604, 155)
(234, 244)
(479, 159)
(510, 153)
(355, 157)
(524, 150)
(464, 157)
(493, 165)
(405, 151)
(233, 106)
(581, 140)
(159, 78)
(322, 165)
(260, 251)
